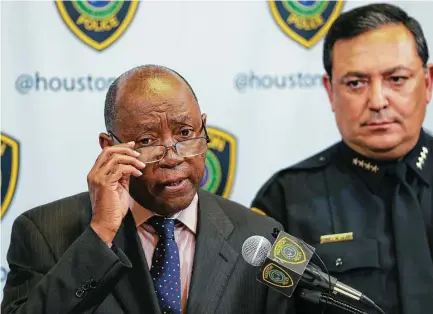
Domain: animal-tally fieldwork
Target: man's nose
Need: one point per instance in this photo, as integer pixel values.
(377, 98)
(171, 157)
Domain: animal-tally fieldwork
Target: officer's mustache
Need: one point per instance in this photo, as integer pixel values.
(381, 117)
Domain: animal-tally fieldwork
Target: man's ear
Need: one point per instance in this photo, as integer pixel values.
(429, 82)
(327, 83)
(105, 140)
(204, 118)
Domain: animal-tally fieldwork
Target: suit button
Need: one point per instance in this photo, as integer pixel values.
(338, 262)
(79, 293)
(85, 286)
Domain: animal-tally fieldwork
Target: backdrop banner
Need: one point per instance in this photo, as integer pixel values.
(255, 66)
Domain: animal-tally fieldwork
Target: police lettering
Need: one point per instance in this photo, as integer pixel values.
(306, 23)
(91, 24)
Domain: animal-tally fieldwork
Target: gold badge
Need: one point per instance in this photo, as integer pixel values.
(338, 237)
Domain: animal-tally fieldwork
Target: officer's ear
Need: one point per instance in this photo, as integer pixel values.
(429, 81)
(327, 83)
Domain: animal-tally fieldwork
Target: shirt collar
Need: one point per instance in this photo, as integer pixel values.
(372, 171)
(187, 216)
(420, 159)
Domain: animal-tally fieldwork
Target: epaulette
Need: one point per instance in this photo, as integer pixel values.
(318, 160)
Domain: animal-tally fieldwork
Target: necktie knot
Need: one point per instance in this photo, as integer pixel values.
(399, 171)
(164, 227)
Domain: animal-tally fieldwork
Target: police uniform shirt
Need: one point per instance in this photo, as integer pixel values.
(343, 204)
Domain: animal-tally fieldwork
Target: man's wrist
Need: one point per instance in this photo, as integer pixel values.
(105, 234)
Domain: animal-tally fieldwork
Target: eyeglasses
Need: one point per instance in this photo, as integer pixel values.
(186, 148)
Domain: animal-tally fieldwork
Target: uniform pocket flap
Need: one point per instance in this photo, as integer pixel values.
(347, 255)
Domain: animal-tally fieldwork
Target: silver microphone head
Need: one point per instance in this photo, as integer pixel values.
(255, 250)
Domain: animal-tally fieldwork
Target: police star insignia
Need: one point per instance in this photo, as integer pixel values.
(422, 158)
(365, 165)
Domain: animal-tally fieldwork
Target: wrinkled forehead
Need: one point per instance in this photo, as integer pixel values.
(158, 103)
(376, 51)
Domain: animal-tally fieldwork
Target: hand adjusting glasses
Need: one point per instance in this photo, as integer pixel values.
(186, 148)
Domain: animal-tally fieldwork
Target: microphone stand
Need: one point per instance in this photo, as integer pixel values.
(319, 297)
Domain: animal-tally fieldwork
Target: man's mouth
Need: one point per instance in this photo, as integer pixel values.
(174, 183)
(378, 123)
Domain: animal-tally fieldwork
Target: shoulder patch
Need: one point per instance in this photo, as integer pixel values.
(97, 23)
(306, 22)
(220, 164)
(10, 162)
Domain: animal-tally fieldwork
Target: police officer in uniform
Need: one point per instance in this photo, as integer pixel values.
(366, 203)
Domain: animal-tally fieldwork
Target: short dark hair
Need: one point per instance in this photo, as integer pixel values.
(110, 108)
(369, 17)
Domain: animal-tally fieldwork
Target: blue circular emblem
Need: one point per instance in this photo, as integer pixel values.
(289, 251)
(306, 3)
(101, 4)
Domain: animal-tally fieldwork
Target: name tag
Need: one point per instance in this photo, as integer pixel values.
(338, 237)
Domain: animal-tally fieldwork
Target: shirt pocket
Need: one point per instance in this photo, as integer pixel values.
(349, 256)
(355, 263)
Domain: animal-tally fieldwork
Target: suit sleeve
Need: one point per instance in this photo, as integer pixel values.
(270, 200)
(78, 282)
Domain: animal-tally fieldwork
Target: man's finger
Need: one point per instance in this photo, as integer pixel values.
(121, 171)
(108, 152)
(112, 164)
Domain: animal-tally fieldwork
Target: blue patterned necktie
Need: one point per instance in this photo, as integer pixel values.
(165, 269)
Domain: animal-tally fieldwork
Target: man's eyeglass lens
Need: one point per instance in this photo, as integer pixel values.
(187, 148)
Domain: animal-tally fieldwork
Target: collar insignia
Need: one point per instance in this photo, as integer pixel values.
(422, 158)
(365, 165)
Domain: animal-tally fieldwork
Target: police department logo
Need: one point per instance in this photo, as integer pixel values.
(277, 276)
(97, 23)
(289, 251)
(305, 21)
(10, 151)
(220, 163)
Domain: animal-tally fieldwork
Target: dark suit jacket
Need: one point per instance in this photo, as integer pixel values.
(59, 265)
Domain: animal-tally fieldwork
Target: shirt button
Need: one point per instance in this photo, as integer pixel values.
(338, 262)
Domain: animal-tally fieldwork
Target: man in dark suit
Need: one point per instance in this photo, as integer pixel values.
(145, 238)
(366, 203)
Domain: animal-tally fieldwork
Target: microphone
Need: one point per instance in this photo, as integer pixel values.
(287, 263)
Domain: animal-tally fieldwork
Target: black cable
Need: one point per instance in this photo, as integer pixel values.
(341, 305)
(364, 298)
(326, 271)
(319, 297)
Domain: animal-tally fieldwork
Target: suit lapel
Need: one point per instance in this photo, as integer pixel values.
(214, 258)
(134, 290)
